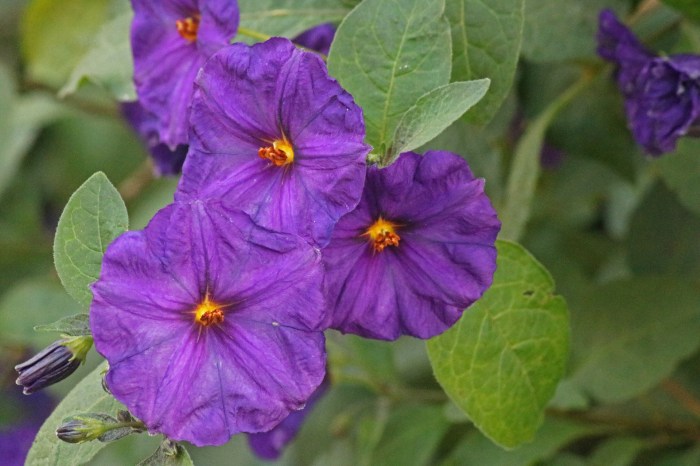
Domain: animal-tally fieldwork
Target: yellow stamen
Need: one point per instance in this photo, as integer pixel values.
(188, 27)
(208, 312)
(382, 233)
(280, 153)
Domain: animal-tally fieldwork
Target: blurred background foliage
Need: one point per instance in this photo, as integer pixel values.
(619, 232)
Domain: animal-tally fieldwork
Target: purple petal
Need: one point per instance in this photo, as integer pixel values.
(202, 383)
(318, 38)
(445, 259)
(248, 97)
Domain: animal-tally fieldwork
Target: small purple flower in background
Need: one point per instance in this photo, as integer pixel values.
(211, 324)
(318, 38)
(170, 42)
(269, 445)
(17, 438)
(662, 94)
(417, 250)
(166, 162)
(274, 135)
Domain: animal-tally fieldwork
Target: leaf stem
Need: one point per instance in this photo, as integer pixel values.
(525, 169)
(681, 394)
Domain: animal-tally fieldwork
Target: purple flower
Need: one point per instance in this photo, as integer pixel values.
(317, 38)
(166, 161)
(16, 438)
(269, 445)
(210, 323)
(417, 250)
(170, 42)
(662, 94)
(275, 136)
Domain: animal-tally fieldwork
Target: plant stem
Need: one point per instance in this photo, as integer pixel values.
(253, 34)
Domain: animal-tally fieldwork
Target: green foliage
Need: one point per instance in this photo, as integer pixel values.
(681, 172)
(689, 8)
(108, 63)
(557, 30)
(30, 303)
(433, 113)
(486, 36)
(50, 23)
(502, 361)
(168, 454)
(288, 17)
(628, 336)
(387, 54)
(93, 217)
(88, 396)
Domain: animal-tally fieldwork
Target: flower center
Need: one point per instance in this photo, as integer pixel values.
(279, 153)
(188, 27)
(208, 312)
(382, 233)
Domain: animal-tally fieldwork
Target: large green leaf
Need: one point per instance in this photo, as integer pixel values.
(502, 361)
(629, 335)
(93, 217)
(433, 113)
(57, 33)
(288, 18)
(387, 54)
(108, 63)
(486, 36)
(87, 396)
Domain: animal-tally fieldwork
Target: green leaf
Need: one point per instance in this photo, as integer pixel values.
(75, 325)
(387, 54)
(94, 216)
(411, 436)
(554, 434)
(681, 172)
(558, 30)
(525, 171)
(168, 454)
(486, 36)
(108, 63)
(89, 396)
(502, 361)
(433, 113)
(631, 334)
(56, 34)
(689, 8)
(288, 18)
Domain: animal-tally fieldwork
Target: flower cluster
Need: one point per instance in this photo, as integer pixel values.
(662, 94)
(212, 317)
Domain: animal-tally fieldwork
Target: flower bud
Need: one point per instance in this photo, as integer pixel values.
(53, 364)
(83, 428)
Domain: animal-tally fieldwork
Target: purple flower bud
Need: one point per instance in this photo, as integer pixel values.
(662, 94)
(53, 364)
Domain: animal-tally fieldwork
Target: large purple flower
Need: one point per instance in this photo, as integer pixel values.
(662, 94)
(318, 38)
(170, 41)
(417, 250)
(210, 323)
(166, 161)
(270, 445)
(274, 135)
